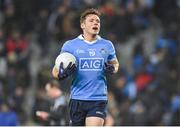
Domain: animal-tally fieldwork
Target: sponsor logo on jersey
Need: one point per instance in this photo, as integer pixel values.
(91, 64)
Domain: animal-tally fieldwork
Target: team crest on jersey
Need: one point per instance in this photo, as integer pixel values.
(91, 64)
(103, 51)
(92, 52)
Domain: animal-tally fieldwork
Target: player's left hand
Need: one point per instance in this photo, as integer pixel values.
(64, 73)
(109, 68)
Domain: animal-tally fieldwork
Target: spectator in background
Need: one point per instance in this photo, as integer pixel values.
(55, 22)
(123, 22)
(3, 61)
(41, 103)
(16, 103)
(119, 89)
(17, 58)
(41, 27)
(16, 47)
(7, 117)
(58, 114)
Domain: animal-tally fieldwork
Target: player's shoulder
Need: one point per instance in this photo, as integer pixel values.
(70, 41)
(108, 42)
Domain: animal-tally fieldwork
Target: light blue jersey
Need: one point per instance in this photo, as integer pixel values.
(90, 82)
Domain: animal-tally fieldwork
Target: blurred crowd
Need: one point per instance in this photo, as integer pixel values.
(146, 35)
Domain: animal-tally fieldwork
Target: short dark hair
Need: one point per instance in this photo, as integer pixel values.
(88, 12)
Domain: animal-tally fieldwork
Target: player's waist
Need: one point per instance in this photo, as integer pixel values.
(92, 98)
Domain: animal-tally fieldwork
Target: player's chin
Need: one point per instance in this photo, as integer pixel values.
(95, 32)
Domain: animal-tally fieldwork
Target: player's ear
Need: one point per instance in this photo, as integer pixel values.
(82, 25)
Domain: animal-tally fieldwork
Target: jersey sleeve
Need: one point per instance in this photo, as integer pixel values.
(112, 52)
(66, 47)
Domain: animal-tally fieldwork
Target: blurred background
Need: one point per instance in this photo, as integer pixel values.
(146, 35)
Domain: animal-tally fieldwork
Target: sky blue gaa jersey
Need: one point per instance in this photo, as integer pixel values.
(89, 82)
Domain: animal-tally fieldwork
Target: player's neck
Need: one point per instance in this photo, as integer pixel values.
(89, 38)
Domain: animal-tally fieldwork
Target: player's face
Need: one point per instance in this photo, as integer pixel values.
(91, 24)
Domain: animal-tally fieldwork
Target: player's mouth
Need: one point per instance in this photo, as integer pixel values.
(95, 28)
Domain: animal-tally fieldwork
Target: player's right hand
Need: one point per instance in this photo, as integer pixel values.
(64, 73)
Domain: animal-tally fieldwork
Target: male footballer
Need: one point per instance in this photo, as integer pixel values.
(95, 57)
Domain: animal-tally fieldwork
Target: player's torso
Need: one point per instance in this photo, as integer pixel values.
(89, 82)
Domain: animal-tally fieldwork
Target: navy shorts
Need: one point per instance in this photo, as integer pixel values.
(80, 109)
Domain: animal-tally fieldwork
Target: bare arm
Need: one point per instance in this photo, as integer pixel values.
(55, 72)
(115, 64)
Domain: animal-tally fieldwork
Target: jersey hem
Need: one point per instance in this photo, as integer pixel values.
(90, 99)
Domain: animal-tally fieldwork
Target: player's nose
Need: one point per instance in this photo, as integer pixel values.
(95, 24)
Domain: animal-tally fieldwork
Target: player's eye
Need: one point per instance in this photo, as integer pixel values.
(97, 21)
